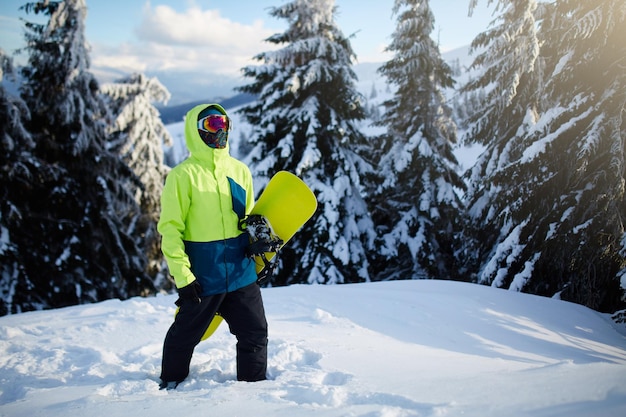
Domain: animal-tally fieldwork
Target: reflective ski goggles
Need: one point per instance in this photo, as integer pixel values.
(214, 123)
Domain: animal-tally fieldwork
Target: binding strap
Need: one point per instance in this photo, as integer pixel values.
(262, 240)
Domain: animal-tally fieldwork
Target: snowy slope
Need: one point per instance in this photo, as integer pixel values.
(405, 348)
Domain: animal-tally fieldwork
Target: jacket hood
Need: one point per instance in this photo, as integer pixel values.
(197, 148)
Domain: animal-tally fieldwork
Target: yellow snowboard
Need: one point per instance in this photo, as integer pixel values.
(287, 203)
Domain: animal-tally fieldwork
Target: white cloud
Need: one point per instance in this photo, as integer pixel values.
(197, 27)
(122, 57)
(190, 40)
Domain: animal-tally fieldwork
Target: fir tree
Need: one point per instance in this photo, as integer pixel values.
(509, 77)
(23, 177)
(582, 130)
(81, 244)
(138, 136)
(553, 198)
(305, 120)
(416, 206)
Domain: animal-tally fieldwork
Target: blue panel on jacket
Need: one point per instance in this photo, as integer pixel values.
(239, 198)
(213, 264)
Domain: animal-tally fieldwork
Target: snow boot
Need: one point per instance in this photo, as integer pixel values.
(168, 385)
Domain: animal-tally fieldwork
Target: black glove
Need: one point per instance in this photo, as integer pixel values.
(259, 247)
(189, 293)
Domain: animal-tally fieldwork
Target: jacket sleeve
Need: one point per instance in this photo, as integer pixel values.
(175, 203)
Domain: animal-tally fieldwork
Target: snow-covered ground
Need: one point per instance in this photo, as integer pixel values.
(404, 348)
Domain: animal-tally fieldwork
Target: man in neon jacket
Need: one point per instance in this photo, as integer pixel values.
(203, 200)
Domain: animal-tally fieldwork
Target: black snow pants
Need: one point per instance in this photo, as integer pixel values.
(242, 310)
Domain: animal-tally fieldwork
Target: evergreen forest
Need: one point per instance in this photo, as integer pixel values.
(82, 162)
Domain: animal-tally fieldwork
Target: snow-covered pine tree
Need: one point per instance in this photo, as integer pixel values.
(560, 175)
(23, 177)
(81, 244)
(305, 121)
(138, 136)
(417, 209)
(15, 142)
(581, 135)
(509, 77)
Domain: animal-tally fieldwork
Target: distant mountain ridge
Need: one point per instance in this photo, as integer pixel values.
(367, 74)
(175, 114)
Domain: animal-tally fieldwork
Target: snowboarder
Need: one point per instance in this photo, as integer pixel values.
(204, 199)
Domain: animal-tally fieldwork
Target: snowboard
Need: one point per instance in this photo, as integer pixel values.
(287, 203)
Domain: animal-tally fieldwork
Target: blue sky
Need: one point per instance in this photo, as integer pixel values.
(208, 42)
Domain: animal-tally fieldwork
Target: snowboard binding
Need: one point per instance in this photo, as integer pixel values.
(262, 240)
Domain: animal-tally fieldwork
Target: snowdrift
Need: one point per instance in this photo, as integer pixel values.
(405, 348)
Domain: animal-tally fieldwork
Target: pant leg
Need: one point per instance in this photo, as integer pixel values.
(243, 311)
(184, 334)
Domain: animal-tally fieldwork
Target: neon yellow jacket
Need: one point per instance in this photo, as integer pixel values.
(203, 199)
